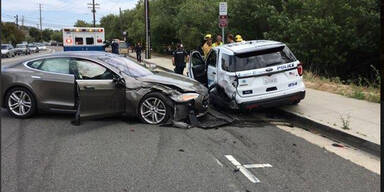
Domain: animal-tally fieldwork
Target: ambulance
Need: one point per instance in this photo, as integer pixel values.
(83, 39)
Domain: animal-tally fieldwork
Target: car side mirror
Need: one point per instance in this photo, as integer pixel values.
(119, 82)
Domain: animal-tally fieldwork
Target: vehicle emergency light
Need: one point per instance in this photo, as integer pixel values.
(99, 40)
(68, 41)
(300, 69)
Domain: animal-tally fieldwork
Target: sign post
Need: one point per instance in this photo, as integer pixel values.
(223, 18)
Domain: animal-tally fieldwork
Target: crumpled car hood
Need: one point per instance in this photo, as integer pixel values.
(182, 82)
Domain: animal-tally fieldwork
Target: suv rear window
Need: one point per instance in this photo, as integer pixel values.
(257, 59)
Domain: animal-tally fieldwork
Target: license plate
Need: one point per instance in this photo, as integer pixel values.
(270, 80)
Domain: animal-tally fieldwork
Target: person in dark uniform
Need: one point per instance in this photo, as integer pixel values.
(138, 49)
(180, 57)
(115, 47)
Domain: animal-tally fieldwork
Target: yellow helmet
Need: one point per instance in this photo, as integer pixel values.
(208, 36)
(238, 38)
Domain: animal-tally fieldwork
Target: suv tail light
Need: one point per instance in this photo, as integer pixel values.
(300, 69)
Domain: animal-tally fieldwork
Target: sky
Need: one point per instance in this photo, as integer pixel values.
(57, 14)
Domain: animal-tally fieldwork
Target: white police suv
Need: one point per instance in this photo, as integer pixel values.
(250, 74)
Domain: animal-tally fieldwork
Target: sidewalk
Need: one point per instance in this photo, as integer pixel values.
(331, 110)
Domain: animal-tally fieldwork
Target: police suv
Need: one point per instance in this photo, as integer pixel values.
(250, 74)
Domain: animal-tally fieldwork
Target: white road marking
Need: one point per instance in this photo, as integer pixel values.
(249, 166)
(218, 162)
(244, 168)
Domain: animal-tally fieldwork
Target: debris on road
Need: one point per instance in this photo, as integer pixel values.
(338, 145)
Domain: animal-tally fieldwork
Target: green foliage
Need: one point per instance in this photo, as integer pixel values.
(10, 33)
(57, 36)
(35, 34)
(332, 38)
(81, 23)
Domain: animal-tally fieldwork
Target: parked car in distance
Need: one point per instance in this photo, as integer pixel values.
(41, 46)
(7, 50)
(123, 48)
(103, 84)
(22, 49)
(250, 74)
(33, 48)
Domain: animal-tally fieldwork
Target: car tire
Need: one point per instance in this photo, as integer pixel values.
(296, 102)
(154, 108)
(20, 103)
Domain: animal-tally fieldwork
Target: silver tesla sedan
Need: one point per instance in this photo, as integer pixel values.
(99, 84)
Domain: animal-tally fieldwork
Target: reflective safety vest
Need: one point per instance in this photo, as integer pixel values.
(216, 44)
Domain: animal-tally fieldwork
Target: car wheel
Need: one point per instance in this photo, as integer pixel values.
(153, 109)
(296, 102)
(20, 103)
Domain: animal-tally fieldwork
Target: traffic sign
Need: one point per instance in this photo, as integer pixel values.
(223, 21)
(223, 8)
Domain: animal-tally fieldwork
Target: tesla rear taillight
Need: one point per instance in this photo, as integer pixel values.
(300, 69)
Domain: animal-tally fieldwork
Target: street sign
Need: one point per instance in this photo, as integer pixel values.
(223, 21)
(223, 8)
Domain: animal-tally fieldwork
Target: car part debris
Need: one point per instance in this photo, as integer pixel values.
(338, 145)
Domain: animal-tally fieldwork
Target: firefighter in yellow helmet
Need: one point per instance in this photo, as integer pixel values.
(207, 45)
(238, 38)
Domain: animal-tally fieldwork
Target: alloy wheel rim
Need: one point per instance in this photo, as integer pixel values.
(153, 110)
(19, 102)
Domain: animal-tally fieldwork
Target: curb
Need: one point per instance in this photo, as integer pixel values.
(330, 132)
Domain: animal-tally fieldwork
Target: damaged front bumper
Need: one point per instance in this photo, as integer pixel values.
(198, 106)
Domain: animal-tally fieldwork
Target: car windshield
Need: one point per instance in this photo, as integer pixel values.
(4, 47)
(258, 59)
(123, 45)
(127, 66)
(20, 46)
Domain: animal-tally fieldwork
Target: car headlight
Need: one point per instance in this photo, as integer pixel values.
(186, 97)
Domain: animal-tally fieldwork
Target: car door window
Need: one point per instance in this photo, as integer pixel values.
(196, 60)
(90, 70)
(56, 65)
(211, 60)
(35, 64)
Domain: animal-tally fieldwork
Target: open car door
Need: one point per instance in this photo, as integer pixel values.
(100, 92)
(197, 68)
(99, 98)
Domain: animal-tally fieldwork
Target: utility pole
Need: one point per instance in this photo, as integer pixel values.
(93, 7)
(17, 20)
(147, 31)
(41, 26)
(121, 25)
(22, 20)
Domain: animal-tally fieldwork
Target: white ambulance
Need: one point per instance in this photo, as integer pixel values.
(83, 39)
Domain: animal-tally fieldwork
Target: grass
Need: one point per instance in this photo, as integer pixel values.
(370, 92)
(345, 122)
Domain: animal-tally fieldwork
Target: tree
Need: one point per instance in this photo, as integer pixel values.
(57, 36)
(11, 34)
(35, 34)
(81, 23)
(47, 34)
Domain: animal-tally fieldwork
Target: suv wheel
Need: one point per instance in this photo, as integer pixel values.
(20, 103)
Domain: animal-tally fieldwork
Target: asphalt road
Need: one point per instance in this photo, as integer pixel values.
(47, 153)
